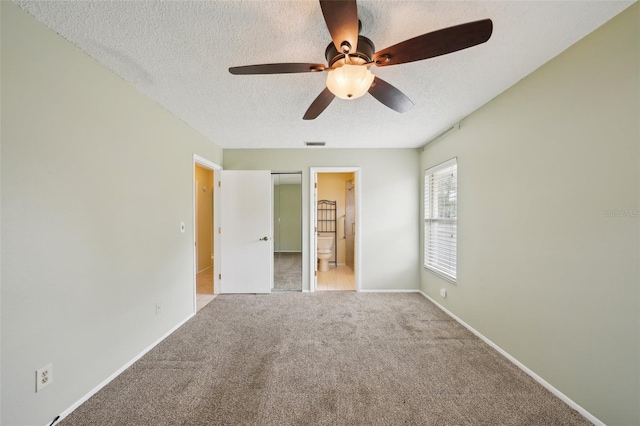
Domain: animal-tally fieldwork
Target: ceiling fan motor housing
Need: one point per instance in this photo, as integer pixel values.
(365, 52)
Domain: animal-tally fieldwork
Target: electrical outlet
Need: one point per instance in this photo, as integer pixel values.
(158, 309)
(443, 292)
(44, 377)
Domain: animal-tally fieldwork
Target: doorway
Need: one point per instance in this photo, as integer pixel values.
(334, 216)
(287, 231)
(204, 206)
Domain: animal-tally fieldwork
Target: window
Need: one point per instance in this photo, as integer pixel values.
(441, 218)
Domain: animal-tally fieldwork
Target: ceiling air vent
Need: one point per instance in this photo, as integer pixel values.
(314, 143)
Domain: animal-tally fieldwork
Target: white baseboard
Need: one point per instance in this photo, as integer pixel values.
(69, 410)
(288, 251)
(571, 403)
(408, 290)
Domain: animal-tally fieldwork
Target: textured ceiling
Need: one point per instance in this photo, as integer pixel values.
(178, 53)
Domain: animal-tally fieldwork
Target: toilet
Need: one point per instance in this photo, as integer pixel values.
(325, 252)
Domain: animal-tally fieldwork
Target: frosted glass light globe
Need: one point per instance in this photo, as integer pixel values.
(349, 81)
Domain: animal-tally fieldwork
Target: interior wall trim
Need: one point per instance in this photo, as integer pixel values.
(105, 382)
(593, 419)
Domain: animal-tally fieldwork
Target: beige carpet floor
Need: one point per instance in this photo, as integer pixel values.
(330, 358)
(287, 271)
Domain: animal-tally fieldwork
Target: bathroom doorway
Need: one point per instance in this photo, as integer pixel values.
(334, 218)
(287, 231)
(204, 195)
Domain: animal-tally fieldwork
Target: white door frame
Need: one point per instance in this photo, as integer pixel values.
(207, 164)
(313, 261)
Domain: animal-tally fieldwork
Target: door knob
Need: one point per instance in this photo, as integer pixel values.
(264, 239)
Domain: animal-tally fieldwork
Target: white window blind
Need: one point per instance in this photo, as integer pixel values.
(441, 218)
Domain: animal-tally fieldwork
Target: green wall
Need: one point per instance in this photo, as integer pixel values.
(96, 179)
(548, 230)
(390, 210)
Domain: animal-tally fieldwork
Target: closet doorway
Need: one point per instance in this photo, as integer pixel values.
(287, 231)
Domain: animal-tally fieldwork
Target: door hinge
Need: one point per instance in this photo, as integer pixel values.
(219, 230)
(219, 183)
(315, 229)
(219, 276)
(315, 185)
(315, 273)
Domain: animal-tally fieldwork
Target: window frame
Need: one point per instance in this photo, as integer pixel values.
(450, 274)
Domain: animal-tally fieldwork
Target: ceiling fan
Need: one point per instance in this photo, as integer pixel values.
(350, 56)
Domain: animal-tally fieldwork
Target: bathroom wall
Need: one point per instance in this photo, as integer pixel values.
(548, 226)
(390, 195)
(204, 194)
(96, 179)
(332, 187)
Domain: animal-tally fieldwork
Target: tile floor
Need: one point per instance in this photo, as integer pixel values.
(339, 277)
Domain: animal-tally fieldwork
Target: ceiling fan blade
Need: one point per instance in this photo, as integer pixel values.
(341, 17)
(276, 68)
(436, 43)
(319, 104)
(390, 96)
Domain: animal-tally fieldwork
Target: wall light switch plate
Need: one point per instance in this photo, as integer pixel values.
(443, 292)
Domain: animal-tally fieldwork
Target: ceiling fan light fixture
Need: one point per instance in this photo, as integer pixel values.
(349, 81)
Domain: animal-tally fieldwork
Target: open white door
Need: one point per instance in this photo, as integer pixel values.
(246, 222)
